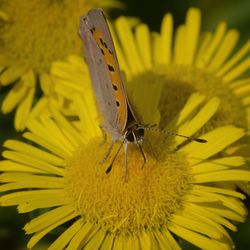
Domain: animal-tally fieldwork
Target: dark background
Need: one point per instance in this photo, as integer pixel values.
(235, 13)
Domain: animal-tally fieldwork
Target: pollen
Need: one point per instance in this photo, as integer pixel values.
(107, 200)
(43, 31)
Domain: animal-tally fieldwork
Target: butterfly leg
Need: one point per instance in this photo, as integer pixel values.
(143, 155)
(104, 134)
(125, 166)
(107, 153)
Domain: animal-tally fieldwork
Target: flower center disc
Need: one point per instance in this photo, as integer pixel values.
(152, 192)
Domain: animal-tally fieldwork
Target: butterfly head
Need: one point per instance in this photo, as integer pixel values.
(135, 134)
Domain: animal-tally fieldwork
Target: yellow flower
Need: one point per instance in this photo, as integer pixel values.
(33, 34)
(174, 193)
(181, 61)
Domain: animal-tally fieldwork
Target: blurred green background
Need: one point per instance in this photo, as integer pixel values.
(235, 13)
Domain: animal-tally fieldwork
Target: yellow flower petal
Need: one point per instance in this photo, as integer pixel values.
(142, 36)
(12, 73)
(192, 32)
(197, 239)
(133, 57)
(62, 241)
(227, 135)
(224, 50)
(166, 39)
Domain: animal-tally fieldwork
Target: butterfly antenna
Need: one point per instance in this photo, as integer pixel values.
(111, 164)
(200, 140)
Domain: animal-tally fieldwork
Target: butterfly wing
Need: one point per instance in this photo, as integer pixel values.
(104, 71)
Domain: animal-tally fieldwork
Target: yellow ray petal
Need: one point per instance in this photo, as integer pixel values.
(199, 120)
(128, 44)
(217, 140)
(237, 71)
(213, 216)
(33, 162)
(227, 175)
(23, 180)
(82, 236)
(192, 32)
(11, 166)
(163, 243)
(206, 38)
(142, 36)
(23, 110)
(216, 40)
(14, 97)
(179, 45)
(194, 101)
(108, 241)
(46, 144)
(39, 235)
(197, 239)
(224, 50)
(235, 59)
(47, 219)
(34, 151)
(195, 225)
(166, 39)
(12, 73)
(49, 198)
(62, 241)
(218, 164)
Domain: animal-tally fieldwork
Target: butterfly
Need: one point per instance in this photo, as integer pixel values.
(109, 90)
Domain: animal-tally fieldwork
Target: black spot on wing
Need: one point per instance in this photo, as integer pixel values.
(117, 103)
(115, 87)
(92, 30)
(101, 41)
(102, 51)
(111, 68)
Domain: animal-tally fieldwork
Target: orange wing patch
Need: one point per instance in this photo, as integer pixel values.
(112, 67)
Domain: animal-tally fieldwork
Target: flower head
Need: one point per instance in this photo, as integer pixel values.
(33, 35)
(179, 62)
(176, 192)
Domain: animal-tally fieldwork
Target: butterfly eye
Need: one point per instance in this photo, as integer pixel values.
(130, 136)
(140, 132)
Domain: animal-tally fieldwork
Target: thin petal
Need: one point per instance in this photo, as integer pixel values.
(199, 120)
(33, 162)
(62, 241)
(216, 40)
(237, 71)
(142, 36)
(82, 236)
(39, 235)
(35, 198)
(217, 140)
(34, 151)
(12, 73)
(224, 50)
(218, 164)
(197, 239)
(49, 218)
(23, 180)
(235, 59)
(14, 97)
(128, 44)
(23, 110)
(192, 32)
(166, 39)
(179, 45)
